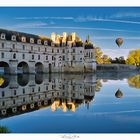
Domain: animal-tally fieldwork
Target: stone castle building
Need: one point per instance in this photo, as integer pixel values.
(27, 53)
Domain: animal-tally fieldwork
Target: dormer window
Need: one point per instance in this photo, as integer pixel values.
(31, 40)
(13, 38)
(45, 42)
(3, 36)
(23, 39)
(39, 41)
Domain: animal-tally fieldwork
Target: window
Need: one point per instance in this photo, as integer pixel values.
(80, 58)
(23, 99)
(38, 57)
(73, 57)
(23, 39)
(52, 57)
(73, 87)
(13, 46)
(46, 57)
(39, 49)
(14, 101)
(23, 47)
(2, 45)
(39, 97)
(45, 49)
(52, 51)
(23, 90)
(14, 56)
(45, 42)
(46, 87)
(13, 38)
(63, 57)
(31, 48)
(32, 98)
(32, 89)
(63, 86)
(38, 41)
(91, 54)
(3, 36)
(15, 92)
(3, 103)
(31, 40)
(23, 56)
(63, 51)
(57, 50)
(32, 56)
(80, 51)
(3, 94)
(38, 89)
(2, 55)
(73, 50)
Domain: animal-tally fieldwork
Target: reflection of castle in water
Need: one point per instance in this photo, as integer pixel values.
(25, 93)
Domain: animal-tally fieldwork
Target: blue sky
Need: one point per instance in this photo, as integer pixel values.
(103, 24)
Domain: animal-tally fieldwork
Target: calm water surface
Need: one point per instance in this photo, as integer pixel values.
(71, 103)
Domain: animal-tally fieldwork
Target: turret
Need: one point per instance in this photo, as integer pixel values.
(53, 37)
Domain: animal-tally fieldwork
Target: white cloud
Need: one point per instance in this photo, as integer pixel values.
(30, 25)
(36, 18)
(82, 28)
(126, 15)
(90, 18)
(110, 38)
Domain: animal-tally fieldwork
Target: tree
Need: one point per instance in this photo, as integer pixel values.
(119, 60)
(134, 57)
(100, 58)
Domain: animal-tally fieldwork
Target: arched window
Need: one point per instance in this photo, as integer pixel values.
(39, 41)
(45, 42)
(13, 38)
(3, 36)
(2, 55)
(23, 39)
(31, 40)
(14, 56)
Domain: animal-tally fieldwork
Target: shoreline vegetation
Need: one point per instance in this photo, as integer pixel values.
(106, 63)
(4, 129)
(117, 67)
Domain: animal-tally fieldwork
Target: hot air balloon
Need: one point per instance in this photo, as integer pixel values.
(118, 94)
(119, 41)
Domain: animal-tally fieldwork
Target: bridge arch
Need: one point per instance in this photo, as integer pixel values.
(22, 67)
(4, 67)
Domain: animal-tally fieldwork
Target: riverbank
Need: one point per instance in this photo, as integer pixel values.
(116, 67)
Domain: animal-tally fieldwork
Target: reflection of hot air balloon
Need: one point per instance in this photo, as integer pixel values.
(118, 94)
(119, 41)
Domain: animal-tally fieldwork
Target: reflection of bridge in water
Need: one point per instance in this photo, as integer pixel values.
(25, 93)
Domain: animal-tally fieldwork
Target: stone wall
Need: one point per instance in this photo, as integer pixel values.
(115, 67)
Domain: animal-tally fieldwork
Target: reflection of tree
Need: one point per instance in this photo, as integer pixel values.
(134, 81)
(4, 129)
(98, 85)
(1, 81)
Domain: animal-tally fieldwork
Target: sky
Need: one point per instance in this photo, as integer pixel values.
(103, 24)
